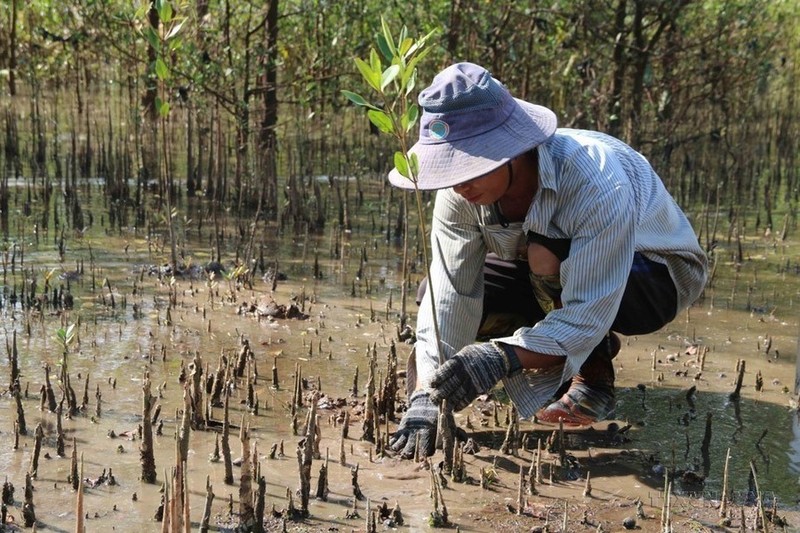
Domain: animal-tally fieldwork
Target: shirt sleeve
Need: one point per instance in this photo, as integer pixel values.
(599, 215)
(455, 288)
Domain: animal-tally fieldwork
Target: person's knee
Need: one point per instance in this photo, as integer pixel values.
(542, 261)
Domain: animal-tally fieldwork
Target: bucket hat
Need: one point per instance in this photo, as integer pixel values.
(471, 125)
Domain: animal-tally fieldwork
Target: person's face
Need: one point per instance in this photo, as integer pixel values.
(486, 189)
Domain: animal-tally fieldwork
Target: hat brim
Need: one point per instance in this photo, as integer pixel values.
(446, 164)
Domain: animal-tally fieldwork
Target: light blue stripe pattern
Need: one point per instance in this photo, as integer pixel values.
(594, 190)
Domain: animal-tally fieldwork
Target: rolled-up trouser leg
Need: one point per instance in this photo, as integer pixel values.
(547, 290)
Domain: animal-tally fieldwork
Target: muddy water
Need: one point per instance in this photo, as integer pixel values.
(745, 311)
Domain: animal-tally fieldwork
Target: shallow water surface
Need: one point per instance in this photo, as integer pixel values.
(346, 318)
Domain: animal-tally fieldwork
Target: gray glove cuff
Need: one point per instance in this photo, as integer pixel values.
(514, 366)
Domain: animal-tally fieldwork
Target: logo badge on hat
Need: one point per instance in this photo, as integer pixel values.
(438, 129)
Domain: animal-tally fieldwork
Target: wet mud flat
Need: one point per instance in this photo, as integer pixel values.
(275, 352)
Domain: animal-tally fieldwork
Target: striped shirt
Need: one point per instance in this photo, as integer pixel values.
(603, 196)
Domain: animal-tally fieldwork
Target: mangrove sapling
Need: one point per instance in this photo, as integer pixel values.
(160, 48)
(393, 86)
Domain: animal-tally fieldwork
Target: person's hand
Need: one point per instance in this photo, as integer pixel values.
(471, 372)
(420, 419)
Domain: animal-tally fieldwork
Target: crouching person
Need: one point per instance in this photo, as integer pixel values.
(545, 240)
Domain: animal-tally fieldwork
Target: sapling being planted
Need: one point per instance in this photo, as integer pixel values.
(391, 73)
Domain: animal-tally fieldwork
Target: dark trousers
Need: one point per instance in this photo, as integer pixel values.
(648, 303)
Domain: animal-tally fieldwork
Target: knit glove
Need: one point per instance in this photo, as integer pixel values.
(420, 418)
(471, 372)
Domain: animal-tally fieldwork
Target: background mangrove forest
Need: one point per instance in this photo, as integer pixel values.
(236, 106)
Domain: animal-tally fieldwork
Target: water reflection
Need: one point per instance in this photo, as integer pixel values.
(352, 305)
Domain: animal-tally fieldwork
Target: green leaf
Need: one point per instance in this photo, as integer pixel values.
(358, 99)
(65, 336)
(411, 82)
(387, 34)
(381, 120)
(385, 49)
(411, 68)
(414, 166)
(141, 11)
(152, 37)
(371, 77)
(175, 44)
(401, 164)
(405, 46)
(163, 109)
(374, 61)
(164, 9)
(412, 115)
(355, 98)
(420, 43)
(389, 75)
(162, 71)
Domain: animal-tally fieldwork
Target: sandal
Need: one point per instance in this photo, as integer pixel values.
(581, 405)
